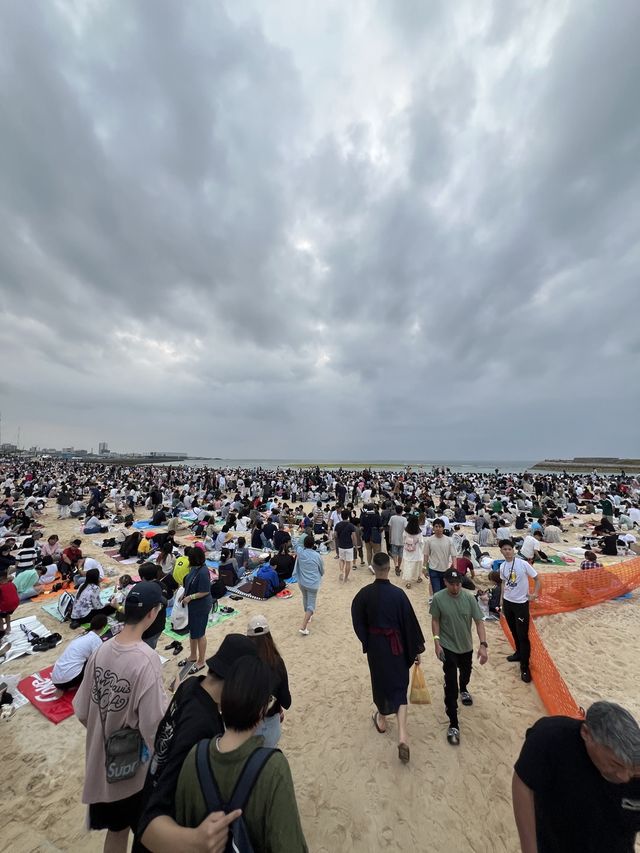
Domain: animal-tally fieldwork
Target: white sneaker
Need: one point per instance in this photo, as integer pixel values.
(304, 631)
(372, 570)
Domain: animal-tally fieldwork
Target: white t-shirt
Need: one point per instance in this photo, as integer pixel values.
(90, 563)
(515, 577)
(74, 657)
(529, 547)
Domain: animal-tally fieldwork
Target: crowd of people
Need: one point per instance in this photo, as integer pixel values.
(197, 768)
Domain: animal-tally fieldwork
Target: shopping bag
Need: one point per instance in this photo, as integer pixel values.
(419, 694)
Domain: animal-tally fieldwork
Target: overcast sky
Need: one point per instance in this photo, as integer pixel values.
(389, 229)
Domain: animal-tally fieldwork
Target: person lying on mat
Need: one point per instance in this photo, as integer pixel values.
(68, 670)
(29, 583)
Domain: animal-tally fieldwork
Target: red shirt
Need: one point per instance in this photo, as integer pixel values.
(9, 599)
(72, 554)
(463, 565)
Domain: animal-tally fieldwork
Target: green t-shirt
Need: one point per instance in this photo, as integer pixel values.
(26, 580)
(455, 613)
(271, 813)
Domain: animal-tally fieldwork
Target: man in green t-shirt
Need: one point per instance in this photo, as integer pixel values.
(452, 611)
(28, 583)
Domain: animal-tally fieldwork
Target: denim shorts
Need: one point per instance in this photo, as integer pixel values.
(308, 598)
(396, 550)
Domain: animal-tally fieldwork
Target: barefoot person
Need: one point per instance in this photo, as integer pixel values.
(453, 609)
(515, 573)
(576, 784)
(388, 629)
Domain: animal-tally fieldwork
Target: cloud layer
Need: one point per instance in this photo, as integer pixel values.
(384, 230)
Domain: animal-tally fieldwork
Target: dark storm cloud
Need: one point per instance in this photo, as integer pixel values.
(376, 230)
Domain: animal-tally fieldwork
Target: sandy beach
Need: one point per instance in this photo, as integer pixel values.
(353, 793)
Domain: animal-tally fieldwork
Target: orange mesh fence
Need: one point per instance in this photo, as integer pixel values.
(561, 593)
(565, 591)
(551, 686)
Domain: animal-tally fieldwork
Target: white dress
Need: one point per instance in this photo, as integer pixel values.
(412, 556)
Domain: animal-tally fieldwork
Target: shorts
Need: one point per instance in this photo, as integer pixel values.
(198, 618)
(396, 550)
(346, 554)
(116, 816)
(308, 598)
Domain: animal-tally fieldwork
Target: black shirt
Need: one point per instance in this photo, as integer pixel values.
(157, 626)
(344, 529)
(283, 564)
(279, 538)
(192, 715)
(577, 810)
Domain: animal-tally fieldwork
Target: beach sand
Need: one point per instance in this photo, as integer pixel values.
(353, 792)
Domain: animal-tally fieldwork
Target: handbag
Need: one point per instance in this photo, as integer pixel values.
(419, 693)
(122, 749)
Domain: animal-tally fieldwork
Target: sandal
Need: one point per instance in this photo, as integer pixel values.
(374, 720)
(195, 669)
(186, 662)
(407, 586)
(177, 649)
(403, 752)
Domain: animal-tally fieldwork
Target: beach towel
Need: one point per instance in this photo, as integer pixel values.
(214, 619)
(47, 594)
(557, 561)
(40, 691)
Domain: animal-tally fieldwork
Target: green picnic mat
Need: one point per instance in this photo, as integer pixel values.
(557, 561)
(214, 619)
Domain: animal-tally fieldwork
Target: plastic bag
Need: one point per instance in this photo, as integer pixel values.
(419, 693)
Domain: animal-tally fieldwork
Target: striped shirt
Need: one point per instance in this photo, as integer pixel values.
(25, 559)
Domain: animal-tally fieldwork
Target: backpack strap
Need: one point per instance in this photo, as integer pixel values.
(248, 777)
(208, 785)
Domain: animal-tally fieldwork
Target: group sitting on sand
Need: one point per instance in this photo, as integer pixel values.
(165, 767)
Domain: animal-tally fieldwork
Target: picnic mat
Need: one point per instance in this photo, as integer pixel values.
(47, 594)
(12, 687)
(51, 608)
(40, 691)
(557, 561)
(20, 645)
(214, 619)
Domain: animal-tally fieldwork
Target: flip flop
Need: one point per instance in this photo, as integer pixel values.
(186, 662)
(195, 669)
(374, 720)
(403, 752)
(177, 648)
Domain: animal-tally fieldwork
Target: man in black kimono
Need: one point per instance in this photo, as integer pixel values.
(388, 629)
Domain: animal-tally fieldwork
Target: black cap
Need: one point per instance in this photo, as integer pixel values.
(143, 597)
(453, 576)
(233, 646)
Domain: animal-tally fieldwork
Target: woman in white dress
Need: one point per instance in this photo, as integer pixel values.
(412, 552)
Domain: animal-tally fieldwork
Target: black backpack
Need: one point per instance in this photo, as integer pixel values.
(238, 841)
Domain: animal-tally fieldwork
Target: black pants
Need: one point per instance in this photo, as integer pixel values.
(517, 616)
(457, 668)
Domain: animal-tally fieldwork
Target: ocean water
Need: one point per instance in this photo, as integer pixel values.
(479, 466)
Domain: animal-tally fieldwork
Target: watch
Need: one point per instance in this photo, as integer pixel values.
(486, 645)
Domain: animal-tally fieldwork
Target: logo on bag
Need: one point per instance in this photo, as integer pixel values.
(43, 688)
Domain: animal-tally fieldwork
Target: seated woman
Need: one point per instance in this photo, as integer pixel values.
(228, 561)
(68, 670)
(87, 603)
(590, 561)
(270, 814)
(283, 562)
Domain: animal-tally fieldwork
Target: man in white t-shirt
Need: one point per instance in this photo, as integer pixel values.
(530, 548)
(68, 670)
(83, 567)
(515, 597)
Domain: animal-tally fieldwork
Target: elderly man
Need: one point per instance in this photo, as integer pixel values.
(576, 784)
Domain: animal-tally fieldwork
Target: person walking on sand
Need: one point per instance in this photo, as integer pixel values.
(576, 784)
(385, 623)
(515, 573)
(346, 542)
(308, 571)
(440, 554)
(397, 524)
(413, 552)
(120, 702)
(453, 609)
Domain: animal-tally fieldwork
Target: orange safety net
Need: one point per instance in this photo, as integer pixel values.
(551, 686)
(561, 593)
(566, 591)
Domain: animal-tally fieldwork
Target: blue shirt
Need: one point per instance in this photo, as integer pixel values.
(309, 568)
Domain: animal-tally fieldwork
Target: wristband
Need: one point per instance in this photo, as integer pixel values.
(436, 636)
(486, 645)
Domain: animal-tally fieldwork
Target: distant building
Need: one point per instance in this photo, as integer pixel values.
(67, 450)
(103, 448)
(8, 448)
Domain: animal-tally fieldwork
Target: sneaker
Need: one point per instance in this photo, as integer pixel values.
(372, 570)
(303, 631)
(514, 658)
(466, 698)
(525, 675)
(453, 735)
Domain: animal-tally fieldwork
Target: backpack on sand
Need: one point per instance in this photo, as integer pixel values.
(65, 605)
(239, 841)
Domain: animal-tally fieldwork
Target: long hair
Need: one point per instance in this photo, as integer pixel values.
(413, 527)
(268, 651)
(92, 578)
